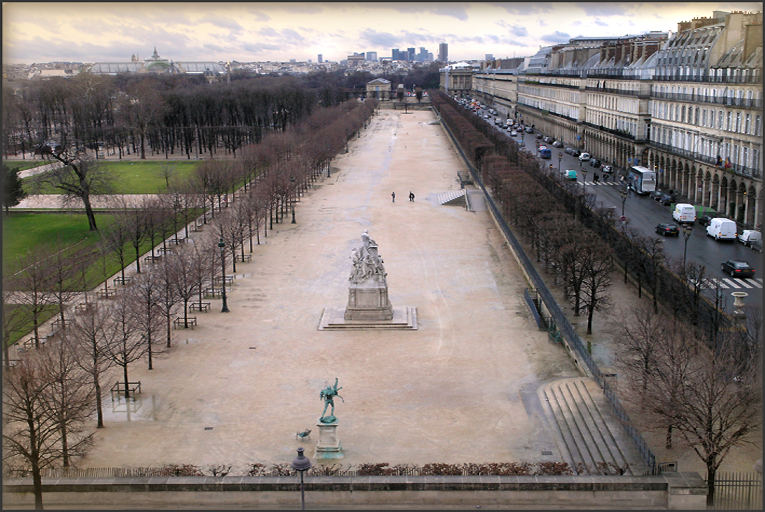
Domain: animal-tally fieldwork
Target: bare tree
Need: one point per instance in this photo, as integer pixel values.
(86, 332)
(168, 300)
(117, 238)
(31, 434)
(711, 397)
(69, 397)
(63, 273)
(79, 178)
(597, 280)
(32, 290)
(145, 294)
(124, 343)
(643, 332)
(184, 280)
(13, 320)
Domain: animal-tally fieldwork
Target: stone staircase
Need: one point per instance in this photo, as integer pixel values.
(451, 198)
(590, 437)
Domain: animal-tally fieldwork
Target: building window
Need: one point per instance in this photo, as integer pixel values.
(719, 119)
(748, 124)
(696, 120)
(745, 157)
(756, 159)
(727, 121)
(757, 126)
(704, 117)
(738, 122)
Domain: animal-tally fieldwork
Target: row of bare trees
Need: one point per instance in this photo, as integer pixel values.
(711, 397)
(136, 320)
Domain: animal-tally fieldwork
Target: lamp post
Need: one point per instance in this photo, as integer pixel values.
(560, 157)
(292, 186)
(222, 245)
(624, 192)
(301, 464)
(687, 230)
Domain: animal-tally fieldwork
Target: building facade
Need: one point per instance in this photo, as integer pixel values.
(443, 53)
(688, 106)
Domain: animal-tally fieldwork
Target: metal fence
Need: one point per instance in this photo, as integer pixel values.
(560, 320)
(736, 491)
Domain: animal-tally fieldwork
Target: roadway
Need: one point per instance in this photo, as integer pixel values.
(643, 214)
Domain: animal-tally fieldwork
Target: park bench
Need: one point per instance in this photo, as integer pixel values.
(83, 307)
(57, 323)
(163, 250)
(178, 323)
(229, 279)
(198, 225)
(118, 390)
(122, 280)
(177, 240)
(106, 294)
(211, 292)
(246, 258)
(152, 259)
(199, 306)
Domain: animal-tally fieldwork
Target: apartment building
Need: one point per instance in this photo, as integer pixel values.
(688, 105)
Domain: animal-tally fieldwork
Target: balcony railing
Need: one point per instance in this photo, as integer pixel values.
(751, 79)
(716, 100)
(618, 133)
(738, 169)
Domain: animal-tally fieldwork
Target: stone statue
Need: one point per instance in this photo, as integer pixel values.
(367, 263)
(327, 394)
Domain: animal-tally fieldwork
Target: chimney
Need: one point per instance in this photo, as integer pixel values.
(752, 39)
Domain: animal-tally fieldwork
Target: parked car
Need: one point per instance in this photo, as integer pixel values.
(584, 157)
(722, 229)
(513, 133)
(705, 219)
(594, 162)
(737, 268)
(557, 144)
(607, 169)
(656, 194)
(666, 198)
(667, 229)
(547, 139)
(529, 129)
(749, 236)
(569, 174)
(539, 135)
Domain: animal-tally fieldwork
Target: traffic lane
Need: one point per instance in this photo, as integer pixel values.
(643, 214)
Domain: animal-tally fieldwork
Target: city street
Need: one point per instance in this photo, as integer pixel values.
(643, 214)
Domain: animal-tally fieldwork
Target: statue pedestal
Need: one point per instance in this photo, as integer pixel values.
(328, 446)
(369, 303)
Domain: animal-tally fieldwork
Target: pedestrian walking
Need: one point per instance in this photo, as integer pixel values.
(411, 196)
(393, 196)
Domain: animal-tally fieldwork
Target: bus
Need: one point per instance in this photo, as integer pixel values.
(544, 152)
(641, 179)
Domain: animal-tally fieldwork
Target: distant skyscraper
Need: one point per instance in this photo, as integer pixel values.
(372, 56)
(321, 58)
(443, 52)
(395, 54)
(410, 54)
(489, 56)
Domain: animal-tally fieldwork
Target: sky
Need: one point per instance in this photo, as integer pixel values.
(280, 31)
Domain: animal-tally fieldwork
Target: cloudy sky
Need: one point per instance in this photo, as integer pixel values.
(254, 31)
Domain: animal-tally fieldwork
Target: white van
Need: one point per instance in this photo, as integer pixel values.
(684, 212)
(749, 237)
(722, 229)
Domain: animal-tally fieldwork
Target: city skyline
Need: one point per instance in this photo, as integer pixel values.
(252, 31)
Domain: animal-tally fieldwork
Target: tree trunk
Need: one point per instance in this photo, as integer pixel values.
(125, 374)
(64, 448)
(668, 440)
(99, 411)
(590, 311)
(37, 483)
(89, 213)
(711, 470)
(167, 317)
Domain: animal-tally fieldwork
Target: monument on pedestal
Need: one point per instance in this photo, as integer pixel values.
(368, 305)
(328, 446)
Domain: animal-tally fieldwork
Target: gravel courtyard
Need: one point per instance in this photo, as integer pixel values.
(461, 388)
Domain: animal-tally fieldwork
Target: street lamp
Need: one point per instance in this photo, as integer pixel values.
(301, 464)
(292, 186)
(624, 192)
(560, 157)
(687, 230)
(222, 245)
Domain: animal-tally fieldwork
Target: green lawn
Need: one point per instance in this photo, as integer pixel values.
(134, 177)
(39, 231)
(22, 165)
(21, 320)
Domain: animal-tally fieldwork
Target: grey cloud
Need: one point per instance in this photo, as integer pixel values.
(291, 35)
(530, 8)
(601, 23)
(452, 10)
(228, 23)
(519, 31)
(608, 8)
(268, 32)
(379, 39)
(555, 37)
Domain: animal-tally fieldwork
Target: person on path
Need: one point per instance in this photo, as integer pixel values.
(411, 196)
(393, 196)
